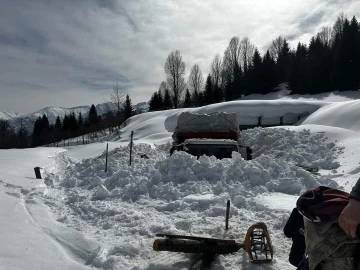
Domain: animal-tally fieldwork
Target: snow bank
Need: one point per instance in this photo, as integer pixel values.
(276, 152)
(331, 116)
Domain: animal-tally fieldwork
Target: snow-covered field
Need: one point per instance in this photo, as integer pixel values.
(79, 217)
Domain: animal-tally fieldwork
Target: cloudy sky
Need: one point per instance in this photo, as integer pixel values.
(69, 53)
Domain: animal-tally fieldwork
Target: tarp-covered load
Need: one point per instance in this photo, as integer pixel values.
(217, 126)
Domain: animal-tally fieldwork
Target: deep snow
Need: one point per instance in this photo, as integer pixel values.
(78, 216)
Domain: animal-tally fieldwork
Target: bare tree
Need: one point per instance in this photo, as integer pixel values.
(117, 98)
(275, 47)
(232, 57)
(325, 36)
(196, 83)
(215, 71)
(246, 53)
(162, 87)
(337, 29)
(175, 70)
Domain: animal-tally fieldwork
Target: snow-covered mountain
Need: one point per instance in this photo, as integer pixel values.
(142, 106)
(6, 115)
(16, 120)
(28, 120)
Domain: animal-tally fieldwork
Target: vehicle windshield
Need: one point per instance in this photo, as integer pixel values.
(218, 150)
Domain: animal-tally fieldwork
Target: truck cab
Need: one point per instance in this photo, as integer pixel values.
(218, 148)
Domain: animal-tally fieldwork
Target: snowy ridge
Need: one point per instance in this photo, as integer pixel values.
(27, 121)
(6, 115)
(344, 120)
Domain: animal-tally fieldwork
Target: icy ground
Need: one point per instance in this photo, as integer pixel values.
(79, 217)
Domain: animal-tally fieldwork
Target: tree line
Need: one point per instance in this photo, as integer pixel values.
(70, 126)
(330, 62)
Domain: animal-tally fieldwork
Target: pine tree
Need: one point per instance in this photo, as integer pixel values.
(319, 63)
(237, 84)
(349, 55)
(160, 100)
(229, 95)
(187, 102)
(128, 108)
(256, 73)
(22, 137)
(73, 125)
(156, 102)
(270, 75)
(37, 138)
(209, 91)
(93, 116)
(167, 100)
(58, 122)
(299, 77)
(45, 122)
(57, 129)
(283, 62)
(80, 119)
(201, 99)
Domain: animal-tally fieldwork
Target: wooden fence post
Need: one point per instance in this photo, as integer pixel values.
(227, 215)
(106, 158)
(131, 145)
(37, 172)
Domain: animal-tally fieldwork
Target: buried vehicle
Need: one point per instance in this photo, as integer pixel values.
(216, 134)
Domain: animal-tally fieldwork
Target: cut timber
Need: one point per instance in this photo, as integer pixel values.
(196, 246)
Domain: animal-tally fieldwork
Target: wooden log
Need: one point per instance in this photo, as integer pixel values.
(196, 246)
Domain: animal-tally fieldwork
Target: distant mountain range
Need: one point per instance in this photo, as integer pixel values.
(6, 115)
(16, 120)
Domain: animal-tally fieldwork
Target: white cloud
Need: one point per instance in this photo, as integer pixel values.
(56, 49)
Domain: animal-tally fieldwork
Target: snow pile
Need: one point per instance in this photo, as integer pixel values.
(175, 177)
(295, 147)
(330, 116)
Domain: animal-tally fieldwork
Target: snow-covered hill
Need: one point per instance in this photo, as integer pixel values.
(6, 115)
(142, 106)
(28, 120)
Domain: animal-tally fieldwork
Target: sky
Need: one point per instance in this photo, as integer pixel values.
(70, 53)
